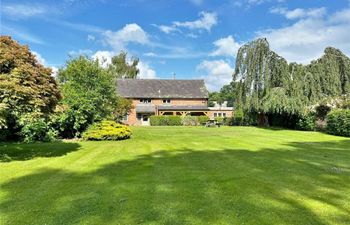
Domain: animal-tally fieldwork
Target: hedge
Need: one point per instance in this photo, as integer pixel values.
(107, 130)
(165, 121)
(178, 120)
(338, 122)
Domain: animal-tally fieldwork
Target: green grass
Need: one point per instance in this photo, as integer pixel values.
(180, 175)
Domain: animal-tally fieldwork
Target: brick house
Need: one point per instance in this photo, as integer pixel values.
(167, 97)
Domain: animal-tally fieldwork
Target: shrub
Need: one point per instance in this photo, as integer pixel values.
(238, 117)
(202, 119)
(36, 129)
(338, 122)
(165, 120)
(190, 121)
(174, 121)
(107, 130)
(306, 122)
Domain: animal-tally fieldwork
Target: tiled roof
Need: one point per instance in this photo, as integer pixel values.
(183, 107)
(158, 88)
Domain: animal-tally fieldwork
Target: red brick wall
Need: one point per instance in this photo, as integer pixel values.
(132, 119)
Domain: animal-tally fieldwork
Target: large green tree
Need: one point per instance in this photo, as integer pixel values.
(121, 68)
(89, 94)
(267, 85)
(26, 86)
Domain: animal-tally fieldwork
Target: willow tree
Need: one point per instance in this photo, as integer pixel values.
(261, 73)
(267, 84)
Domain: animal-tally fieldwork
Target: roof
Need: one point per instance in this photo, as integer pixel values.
(183, 107)
(145, 108)
(158, 88)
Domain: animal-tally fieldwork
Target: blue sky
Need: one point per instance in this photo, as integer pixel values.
(192, 38)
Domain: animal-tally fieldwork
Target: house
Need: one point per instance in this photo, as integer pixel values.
(167, 97)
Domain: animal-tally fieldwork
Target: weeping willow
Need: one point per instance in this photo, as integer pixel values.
(267, 84)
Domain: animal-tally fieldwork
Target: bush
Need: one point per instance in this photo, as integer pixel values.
(338, 122)
(165, 121)
(107, 130)
(202, 119)
(306, 122)
(238, 117)
(36, 129)
(190, 121)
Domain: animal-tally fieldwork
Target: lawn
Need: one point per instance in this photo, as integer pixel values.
(180, 175)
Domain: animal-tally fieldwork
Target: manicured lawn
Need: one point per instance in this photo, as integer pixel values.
(180, 175)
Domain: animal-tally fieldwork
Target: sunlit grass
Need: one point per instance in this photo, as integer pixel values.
(180, 175)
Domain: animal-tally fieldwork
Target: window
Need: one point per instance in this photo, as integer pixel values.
(224, 114)
(215, 115)
(138, 116)
(219, 114)
(125, 117)
(145, 100)
(166, 101)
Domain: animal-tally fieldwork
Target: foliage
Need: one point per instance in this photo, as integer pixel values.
(123, 107)
(120, 68)
(88, 93)
(190, 121)
(238, 117)
(338, 122)
(107, 130)
(265, 84)
(306, 122)
(26, 86)
(165, 121)
(226, 94)
(202, 119)
(36, 129)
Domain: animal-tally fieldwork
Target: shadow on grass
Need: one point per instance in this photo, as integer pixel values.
(306, 183)
(20, 152)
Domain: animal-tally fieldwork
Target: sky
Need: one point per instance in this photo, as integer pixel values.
(193, 39)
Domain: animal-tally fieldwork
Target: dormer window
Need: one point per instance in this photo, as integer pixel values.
(166, 101)
(145, 100)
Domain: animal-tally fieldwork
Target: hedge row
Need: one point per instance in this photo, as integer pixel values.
(107, 130)
(338, 122)
(186, 121)
(165, 121)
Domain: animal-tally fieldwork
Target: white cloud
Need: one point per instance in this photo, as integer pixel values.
(80, 52)
(217, 73)
(306, 39)
(54, 71)
(167, 29)
(226, 47)
(205, 22)
(150, 54)
(146, 72)
(22, 11)
(38, 57)
(42, 61)
(130, 33)
(300, 13)
(105, 58)
(91, 37)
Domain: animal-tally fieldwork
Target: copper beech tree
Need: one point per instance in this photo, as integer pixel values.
(26, 86)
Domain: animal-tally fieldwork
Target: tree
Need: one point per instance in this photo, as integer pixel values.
(120, 68)
(26, 86)
(89, 92)
(267, 85)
